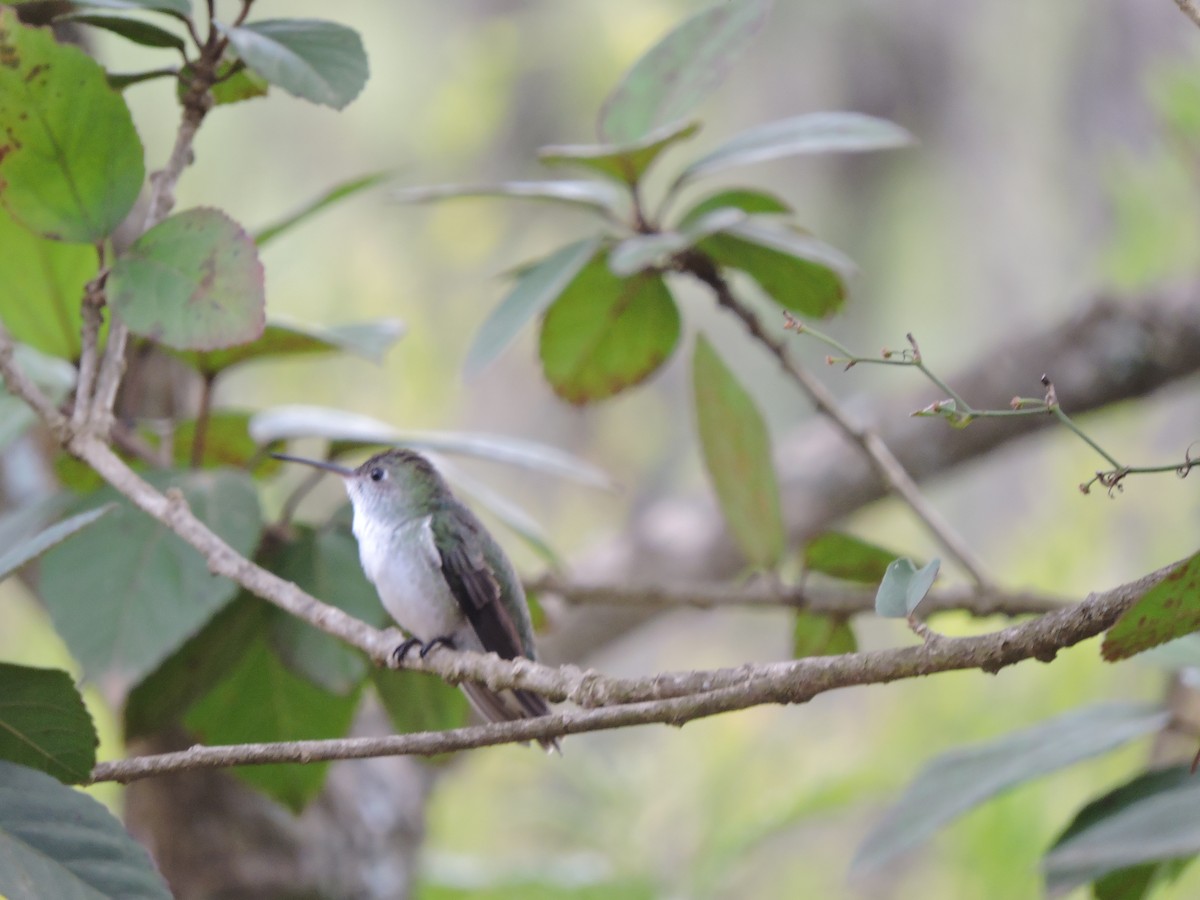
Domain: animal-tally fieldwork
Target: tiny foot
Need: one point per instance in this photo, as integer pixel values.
(437, 641)
(402, 651)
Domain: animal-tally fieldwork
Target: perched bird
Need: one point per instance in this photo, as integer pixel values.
(438, 571)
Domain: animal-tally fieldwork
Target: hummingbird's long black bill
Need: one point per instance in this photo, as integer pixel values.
(315, 463)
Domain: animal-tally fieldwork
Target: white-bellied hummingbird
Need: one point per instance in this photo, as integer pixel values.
(440, 574)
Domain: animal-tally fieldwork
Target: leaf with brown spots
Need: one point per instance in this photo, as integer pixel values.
(605, 333)
(1168, 610)
(193, 282)
(70, 159)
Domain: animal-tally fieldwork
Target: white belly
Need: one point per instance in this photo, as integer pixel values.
(405, 567)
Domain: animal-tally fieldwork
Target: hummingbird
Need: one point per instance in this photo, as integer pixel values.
(438, 572)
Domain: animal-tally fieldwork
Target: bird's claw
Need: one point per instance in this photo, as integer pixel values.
(425, 646)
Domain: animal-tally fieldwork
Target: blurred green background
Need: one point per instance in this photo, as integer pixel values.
(1053, 162)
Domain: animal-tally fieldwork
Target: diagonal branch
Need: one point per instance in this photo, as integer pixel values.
(669, 698)
(885, 463)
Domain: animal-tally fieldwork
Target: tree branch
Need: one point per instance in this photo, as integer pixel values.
(885, 463)
(669, 698)
(1190, 10)
(840, 600)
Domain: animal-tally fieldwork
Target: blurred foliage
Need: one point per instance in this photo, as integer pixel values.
(614, 818)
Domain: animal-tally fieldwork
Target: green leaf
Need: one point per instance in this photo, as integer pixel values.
(27, 547)
(604, 333)
(737, 455)
(163, 697)
(599, 195)
(43, 286)
(827, 132)
(814, 634)
(1168, 610)
(674, 75)
(311, 59)
(1150, 819)
(59, 842)
(44, 724)
(847, 557)
(353, 430)
(798, 272)
(192, 282)
(262, 701)
(955, 782)
(748, 201)
(147, 34)
(536, 288)
(416, 701)
(903, 587)
(180, 9)
(55, 378)
(624, 162)
(370, 340)
(325, 564)
(70, 159)
(331, 197)
(125, 596)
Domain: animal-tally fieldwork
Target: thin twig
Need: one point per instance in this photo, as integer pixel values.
(196, 104)
(837, 600)
(200, 434)
(885, 463)
(672, 698)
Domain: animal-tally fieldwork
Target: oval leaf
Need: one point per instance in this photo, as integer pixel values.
(123, 597)
(798, 272)
(193, 282)
(828, 132)
(903, 588)
(44, 724)
(59, 842)
(536, 288)
(70, 159)
(599, 195)
(626, 163)
(311, 59)
(955, 782)
(737, 454)
(1168, 610)
(604, 333)
(679, 71)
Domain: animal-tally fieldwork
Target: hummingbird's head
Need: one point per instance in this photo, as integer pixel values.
(387, 484)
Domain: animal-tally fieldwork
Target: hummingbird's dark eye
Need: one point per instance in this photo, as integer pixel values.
(377, 474)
